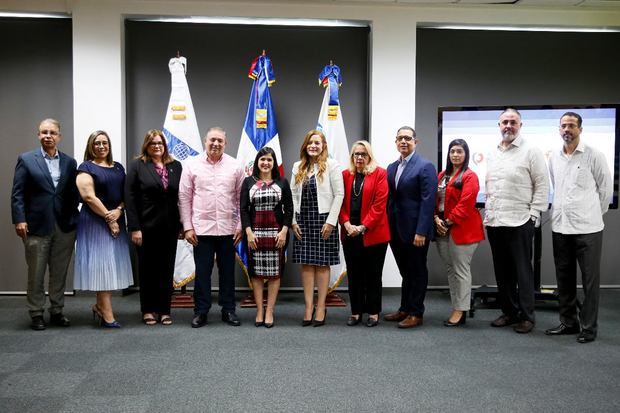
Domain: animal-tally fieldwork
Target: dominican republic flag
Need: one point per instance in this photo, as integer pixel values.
(183, 138)
(260, 128)
(331, 124)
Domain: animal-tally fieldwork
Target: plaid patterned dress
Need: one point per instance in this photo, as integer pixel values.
(313, 249)
(267, 261)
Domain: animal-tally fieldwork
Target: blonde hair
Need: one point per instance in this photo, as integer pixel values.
(306, 164)
(370, 166)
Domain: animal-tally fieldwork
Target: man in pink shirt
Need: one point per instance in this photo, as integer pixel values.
(209, 205)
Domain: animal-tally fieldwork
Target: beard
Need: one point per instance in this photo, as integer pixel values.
(508, 136)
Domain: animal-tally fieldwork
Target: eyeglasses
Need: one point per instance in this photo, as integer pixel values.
(49, 132)
(405, 138)
(156, 144)
(360, 155)
(101, 143)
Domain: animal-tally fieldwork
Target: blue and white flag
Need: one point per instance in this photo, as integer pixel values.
(331, 124)
(260, 128)
(183, 138)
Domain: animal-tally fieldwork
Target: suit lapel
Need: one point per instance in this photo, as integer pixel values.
(151, 168)
(46, 172)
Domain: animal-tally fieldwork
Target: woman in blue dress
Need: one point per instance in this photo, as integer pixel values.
(102, 261)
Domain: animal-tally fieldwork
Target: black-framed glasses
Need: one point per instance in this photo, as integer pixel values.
(156, 144)
(360, 155)
(405, 138)
(101, 143)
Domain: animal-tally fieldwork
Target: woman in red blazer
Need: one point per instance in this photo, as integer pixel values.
(366, 232)
(459, 226)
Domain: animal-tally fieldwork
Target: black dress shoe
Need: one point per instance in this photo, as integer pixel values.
(562, 329)
(37, 323)
(306, 323)
(372, 322)
(59, 320)
(586, 337)
(352, 321)
(231, 318)
(199, 321)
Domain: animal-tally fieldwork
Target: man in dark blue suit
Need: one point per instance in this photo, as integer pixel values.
(44, 207)
(412, 182)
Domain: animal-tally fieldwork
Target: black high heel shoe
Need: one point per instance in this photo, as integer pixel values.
(260, 323)
(269, 325)
(306, 323)
(461, 321)
(317, 323)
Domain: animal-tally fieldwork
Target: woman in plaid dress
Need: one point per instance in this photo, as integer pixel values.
(266, 208)
(318, 191)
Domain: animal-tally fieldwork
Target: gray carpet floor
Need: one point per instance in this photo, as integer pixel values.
(219, 368)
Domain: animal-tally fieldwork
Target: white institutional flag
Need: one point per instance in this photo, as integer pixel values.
(183, 138)
(331, 124)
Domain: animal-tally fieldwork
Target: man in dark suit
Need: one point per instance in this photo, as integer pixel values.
(44, 208)
(412, 182)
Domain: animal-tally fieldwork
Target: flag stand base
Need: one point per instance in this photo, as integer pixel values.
(332, 300)
(182, 299)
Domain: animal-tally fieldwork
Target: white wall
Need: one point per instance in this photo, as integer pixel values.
(99, 89)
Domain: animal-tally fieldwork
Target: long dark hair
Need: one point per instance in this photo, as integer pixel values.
(458, 182)
(275, 171)
(150, 135)
(89, 152)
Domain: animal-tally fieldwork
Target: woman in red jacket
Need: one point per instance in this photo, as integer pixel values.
(366, 232)
(459, 226)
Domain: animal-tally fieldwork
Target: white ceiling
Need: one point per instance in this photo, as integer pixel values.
(597, 4)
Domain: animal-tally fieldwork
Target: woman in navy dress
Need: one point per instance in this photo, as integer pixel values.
(318, 191)
(102, 261)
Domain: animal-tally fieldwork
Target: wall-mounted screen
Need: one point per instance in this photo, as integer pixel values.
(478, 125)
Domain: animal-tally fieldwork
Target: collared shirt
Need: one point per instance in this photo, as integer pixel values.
(582, 190)
(209, 195)
(401, 167)
(53, 165)
(517, 185)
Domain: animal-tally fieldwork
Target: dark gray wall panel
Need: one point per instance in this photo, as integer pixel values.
(36, 82)
(219, 57)
(470, 68)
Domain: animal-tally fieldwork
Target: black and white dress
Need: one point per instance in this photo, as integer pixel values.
(266, 261)
(312, 249)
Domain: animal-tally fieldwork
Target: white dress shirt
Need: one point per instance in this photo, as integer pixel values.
(582, 190)
(517, 185)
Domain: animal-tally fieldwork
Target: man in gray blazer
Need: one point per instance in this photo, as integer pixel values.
(44, 204)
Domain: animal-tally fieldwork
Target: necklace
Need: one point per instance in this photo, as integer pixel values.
(357, 193)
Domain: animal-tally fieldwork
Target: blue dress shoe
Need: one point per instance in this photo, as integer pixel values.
(112, 324)
(37, 323)
(199, 320)
(231, 318)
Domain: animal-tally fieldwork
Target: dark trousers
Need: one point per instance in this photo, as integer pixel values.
(512, 261)
(585, 249)
(156, 268)
(208, 248)
(411, 262)
(364, 274)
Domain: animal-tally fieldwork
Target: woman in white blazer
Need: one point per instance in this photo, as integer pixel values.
(318, 191)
